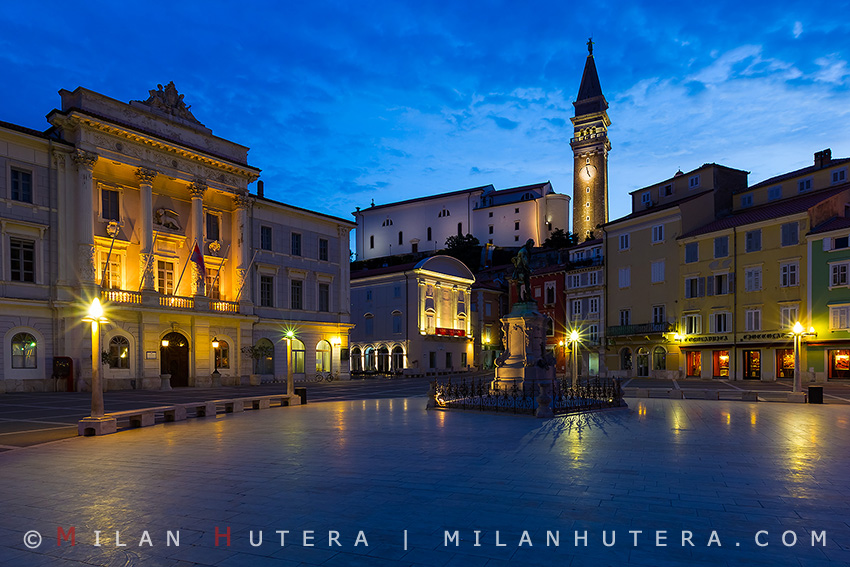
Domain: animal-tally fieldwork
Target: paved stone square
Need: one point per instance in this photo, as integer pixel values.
(717, 471)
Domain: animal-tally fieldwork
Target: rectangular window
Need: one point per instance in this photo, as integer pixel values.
(804, 185)
(593, 305)
(324, 297)
(109, 204)
(624, 242)
(396, 291)
(658, 233)
(516, 225)
(720, 322)
(838, 275)
(753, 240)
(296, 294)
(267, 291)
(774, 193)
(787, 317)
(839, 317)
(692, 324)
(490, 229)
(753, 320)
(593, 333)
(213, 286)
(22, 260)
(746, 200)
(657, 269)
(788, 274)
(400, 237)
(165, 277)
(668, 190)
(576, 308)
(266, 237)
(790, 234)
(323, 249)
(691, 287)
(839, 176)
(212, 227)
(658, 314)
(693, 181)
(575, 281)
(694, 363)
(488, 309)
(372, 240)
(719, 284)
(721, 247)
(296, 244)
(838, 243)
(625, 317)
(396, 323)
(691, 252)
(625, 277)
(646, 199)
(109, 275)
(21, 186)
(752, 279)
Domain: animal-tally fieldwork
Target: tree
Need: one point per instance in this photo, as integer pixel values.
(464, 248)
(560, 238)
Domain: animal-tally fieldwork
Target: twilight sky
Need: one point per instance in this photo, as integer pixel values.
(345, 102)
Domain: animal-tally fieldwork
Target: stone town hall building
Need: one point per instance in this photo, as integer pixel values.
(111, 202)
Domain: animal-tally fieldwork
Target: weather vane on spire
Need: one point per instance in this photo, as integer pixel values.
(590, 45)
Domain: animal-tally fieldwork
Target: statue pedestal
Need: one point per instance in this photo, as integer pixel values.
(524, 358)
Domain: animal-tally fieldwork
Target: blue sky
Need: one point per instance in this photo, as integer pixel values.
(344, 102)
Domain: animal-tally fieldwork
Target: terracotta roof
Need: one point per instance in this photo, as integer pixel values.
(767, 212)
(546, 270)
(655, 209)
(796, 173)
(835, 223)
(679, 174)
(426, 198)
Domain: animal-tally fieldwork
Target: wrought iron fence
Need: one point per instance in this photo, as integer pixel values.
(557, 395)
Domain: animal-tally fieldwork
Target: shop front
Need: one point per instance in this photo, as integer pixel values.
(839, 364)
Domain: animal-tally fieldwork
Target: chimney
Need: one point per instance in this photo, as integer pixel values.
(260, 188)
(823, 158)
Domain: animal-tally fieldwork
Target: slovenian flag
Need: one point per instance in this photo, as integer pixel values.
(198, 258)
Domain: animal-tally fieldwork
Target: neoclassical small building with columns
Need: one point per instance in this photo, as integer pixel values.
(140, 205)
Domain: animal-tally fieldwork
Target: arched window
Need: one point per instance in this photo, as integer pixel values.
(323, 356)
(119, 352)
(626, 359)
(297, 359)
(222, 354)
(383, 359)
(356, 360)
(264, 361)
(659, 358)
(24, 351)
(369, 364)
(398, 358)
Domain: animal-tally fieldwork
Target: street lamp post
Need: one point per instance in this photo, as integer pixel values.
(97, 423)
(290, 383)
(574, 338)
(798, 333)
(216, 376)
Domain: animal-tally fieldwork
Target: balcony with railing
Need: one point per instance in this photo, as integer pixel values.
(641, 329)
(167, 301)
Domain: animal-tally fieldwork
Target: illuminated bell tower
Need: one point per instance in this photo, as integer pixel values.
(590, 152)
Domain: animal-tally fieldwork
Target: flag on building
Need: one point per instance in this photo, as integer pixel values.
(198, 258)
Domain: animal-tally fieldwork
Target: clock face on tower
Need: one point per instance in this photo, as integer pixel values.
(587, 172)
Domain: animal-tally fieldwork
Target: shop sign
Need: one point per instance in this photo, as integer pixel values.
(764, 337)
(706, 339)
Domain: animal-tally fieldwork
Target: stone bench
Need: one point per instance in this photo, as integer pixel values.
(693, 394)
(145, 417)
(202, 409)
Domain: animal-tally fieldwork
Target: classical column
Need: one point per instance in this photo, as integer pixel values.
(197, 190)
(146, 261)
(85, 237)
(241, 249)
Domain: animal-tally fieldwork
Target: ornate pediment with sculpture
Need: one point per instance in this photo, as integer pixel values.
(166, 99)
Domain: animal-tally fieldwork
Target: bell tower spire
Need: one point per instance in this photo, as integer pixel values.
(590, 152)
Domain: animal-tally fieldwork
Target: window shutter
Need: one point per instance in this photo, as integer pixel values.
(710, 285)
(731, 283)
(711, 323)
(827, 244)
(701, 287)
